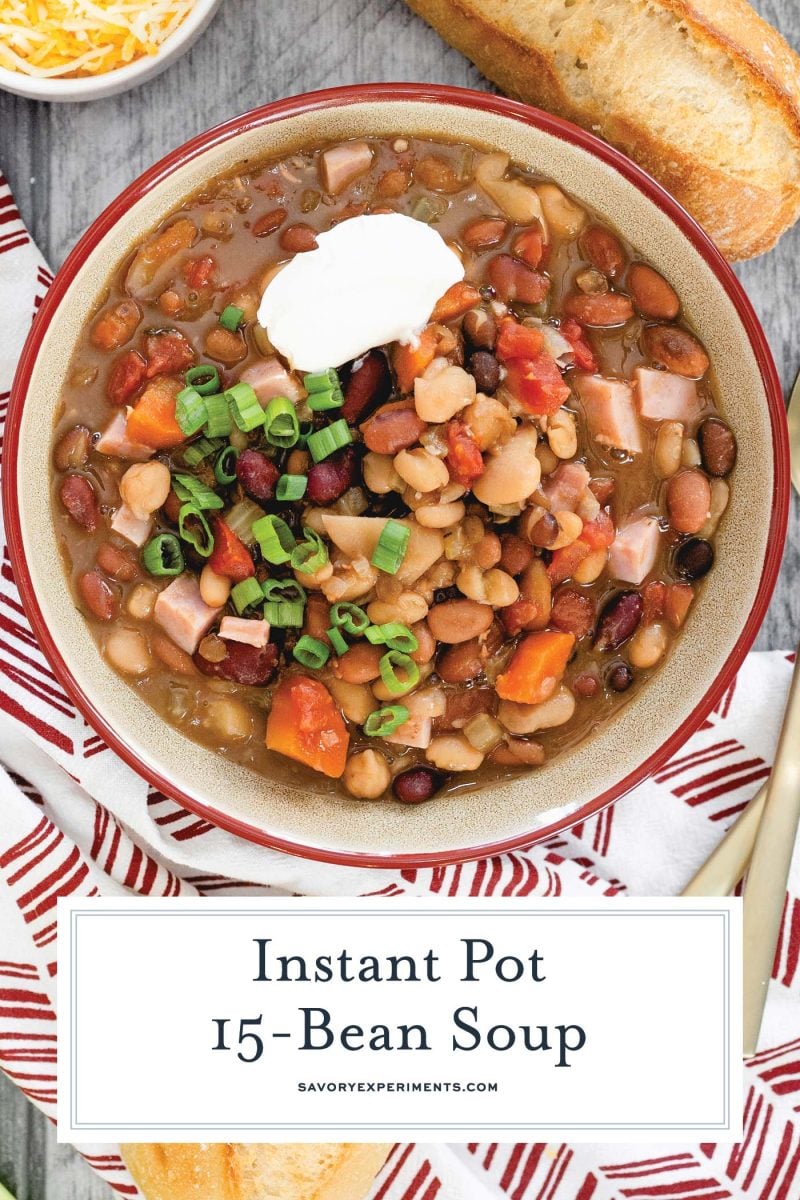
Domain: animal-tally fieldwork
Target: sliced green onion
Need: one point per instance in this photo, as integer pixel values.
(190, 411)
(280, 422)
(285, 603)
(393, 682)
(225, 465)
(291, 487)
(203, 378)
(384, 721)
(337, 641)
(350, 618)
(308, 556)
(163, 555)
(322, 381)
(231, 317)
(246, 594)
(194, 529)
(394, 635)
(306, 429)
(322, 401)
(245, 408)
(391, 548)
(311, 652)
(192, 490)
(275, 539)
(193, 455)
(327, 441)
(219, 416)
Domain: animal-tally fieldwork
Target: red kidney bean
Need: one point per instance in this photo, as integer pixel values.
(72, 450)
(717, 446)
(417, 784)
(485, 370)
(604, 310)
(369, 385)
(251, 666)
(167, 353)
(604, 251)
(126, 376)
(269, 222)
(694, 559)
(115, 562)
(513, 280)
(651, 293)
(484, 232)
(99, 596)
(257, 474)
(586, 685)
(620, 677)
(77, 496)
(688, 501)
(393, 427)
(298, 239)
(330, 479)
(676, 350)
(618, 620)
(573, 612)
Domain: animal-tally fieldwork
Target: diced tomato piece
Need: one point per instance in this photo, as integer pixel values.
(566, 561)
(230, 557)
(457, 299)
(152, 422)
(305, 724)
(599, 533)
(464, 459)
(200, 273)
(513, 280)
(517, 341)
(677, 603)
(537, 383)
(126, 376)
(581, 350)
(654, 595)
(167, 353)
(528, 246)
(411, 360)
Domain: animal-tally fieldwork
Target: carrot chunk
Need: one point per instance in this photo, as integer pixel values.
(457, 299)
(411, 360)
(152, 422)
(305, 724)
(535, 671)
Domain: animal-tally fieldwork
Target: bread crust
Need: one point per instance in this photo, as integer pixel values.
(740, 178)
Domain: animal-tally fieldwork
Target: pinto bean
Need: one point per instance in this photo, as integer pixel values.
(98, 595)
(72, 449)
(360, 664)
(269, 222)
(573, 612)
(330, 479)
(392, 184)
(603, 311)
(604, 250)
(78, 497)
(515, 554)
(251, 666)
(369, 385)
(618, 620)
(426, 643)
(224, 345)
(480, 328)
(393, 427)
(298, 239)
(542, 531)
(675, 349)
(485, 369)
(317, 617)
(694, 558)
(116, 562)
(456, 621)
(688, 501)
(652, 295)
(417, 784)
(717, 446)
(484, 232)
(532, 609)
(171, 655)
(513, 281)
(116, 325)
(462, 704)
(517, 752)
(586, 685)
(461, 663)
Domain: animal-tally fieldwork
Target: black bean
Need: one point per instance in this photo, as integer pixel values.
(694, 558)
(620, 677)
(417, 784)
(485, 369)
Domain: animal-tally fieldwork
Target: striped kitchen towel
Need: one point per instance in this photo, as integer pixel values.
(76, 820)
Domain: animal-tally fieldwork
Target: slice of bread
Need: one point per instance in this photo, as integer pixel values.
(295, 1171)
(702, 93)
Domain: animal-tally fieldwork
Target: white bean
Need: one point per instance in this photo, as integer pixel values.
(128, 651)
(214, 589)
(527, 718)
(421, 471)
(453, 752)
(144, 487)
(647, 646)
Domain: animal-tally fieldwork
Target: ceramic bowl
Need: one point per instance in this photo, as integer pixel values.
(720, 628)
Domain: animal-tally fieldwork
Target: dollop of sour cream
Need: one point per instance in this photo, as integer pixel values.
(372, 280)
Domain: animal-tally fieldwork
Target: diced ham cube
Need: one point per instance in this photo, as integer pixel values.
(416, 731)
(270, 378)
(114, 441)
(666, 397)
(566, 487)
(340, 165)
(244, 629)
(182, 613)
(633, 552)
(610, 412)
(128, 525)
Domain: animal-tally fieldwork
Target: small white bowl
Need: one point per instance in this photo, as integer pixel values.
(110, 83)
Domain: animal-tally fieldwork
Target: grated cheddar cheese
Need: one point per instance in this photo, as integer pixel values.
(58, 38)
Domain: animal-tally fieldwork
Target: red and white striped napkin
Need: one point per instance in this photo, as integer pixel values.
(76, 820)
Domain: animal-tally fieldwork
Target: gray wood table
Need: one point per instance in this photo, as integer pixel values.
(66, 162)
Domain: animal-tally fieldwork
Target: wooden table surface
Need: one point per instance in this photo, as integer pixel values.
(66, 162)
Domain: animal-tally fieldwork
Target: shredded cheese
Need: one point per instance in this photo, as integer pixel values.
(57, 38)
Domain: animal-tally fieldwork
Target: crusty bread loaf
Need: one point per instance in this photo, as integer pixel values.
(702, 93)
(296, 1171)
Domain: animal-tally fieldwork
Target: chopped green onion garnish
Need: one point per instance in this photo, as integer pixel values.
(350, 618)
(311, 652)
(203, 378)
(291, 487)
(163, 555)
(225, 465)
(397, 685)
(394, 635)
(219, 416)
(275, 538)
(285, 603)
(194, 529)
(322, 381)
(306, 429)
(391, 548)
(193, 455)
(337, 641)
(327, 441)
(322, 401)
(246, 593)
(280, 423)
(190, 411)
(231, 317)
(384, 721)
(192, 490)
(245, 408)
(308, 556)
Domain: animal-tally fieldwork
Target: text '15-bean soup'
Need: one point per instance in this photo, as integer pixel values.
(391, 462)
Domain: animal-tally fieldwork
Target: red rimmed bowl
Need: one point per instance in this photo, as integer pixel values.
(723, 622)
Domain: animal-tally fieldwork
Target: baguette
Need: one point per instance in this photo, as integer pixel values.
(704, 94)
(296, 1171)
